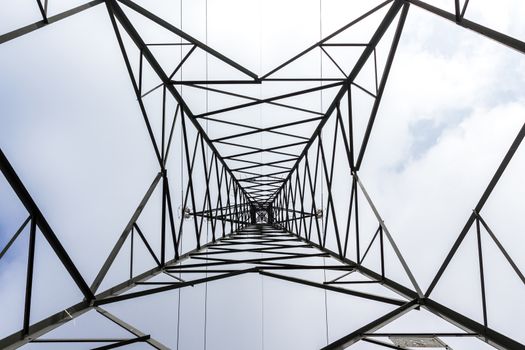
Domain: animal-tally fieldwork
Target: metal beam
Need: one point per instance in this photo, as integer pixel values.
(357, 335)
(154, 343)
(53, 19)
(30, 205)
(501, 38)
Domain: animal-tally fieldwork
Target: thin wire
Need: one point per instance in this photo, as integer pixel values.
(262, 310)
(260, 85)
(205, 170)
(181, 191)
(322, 182)
(260, 157)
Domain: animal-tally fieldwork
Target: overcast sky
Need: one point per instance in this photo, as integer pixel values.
(72, 129)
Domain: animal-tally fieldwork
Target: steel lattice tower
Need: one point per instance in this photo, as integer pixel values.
(263, 216)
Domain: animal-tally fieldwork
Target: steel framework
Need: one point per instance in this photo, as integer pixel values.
(269, 208)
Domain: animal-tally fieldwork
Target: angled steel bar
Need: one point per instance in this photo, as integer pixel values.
(53, 19)
(269, 164)
(389, 236)
(228, 201)
(357, 335)
(481, 274)
(131, 251)
(272, 184)
(483, 333)
(349, 219)
(464, 9)
(165, 156)
(312, 194)
(293, 193)
(43, 11)
(164, 182)
(300, 200)
(457, 11)
(272, 250)
(347, 146)
(356, 207)
(263, 149)
(501, 38)
(301, 218)
(184, 59)
(340, 30)
(15, 236)
(136, 86)
(269, 150)
(369, 245)
(380, 343)
(163, 218)
(333, 61)
(187, 192)
(163, 125)
(189, 166)
(146, 243)
(486, 334)
(290, 255)
(272, 131)
(384, 77)
(340, 277)
(141, 65)
(271, 99)
(282, 266)
(36, 215)
(273, 127)
(351, 145)
(375, 71)
(261, 163)
(207, 195)
(301, 194)
(287, 204)
(223, 218)
(142, 293)
(484, 197)
(341, 80)
(219, 203)
(258, 261)
(236, 203)
(224, 92)
(363, 89)
(270, 176)
(330, 200)
(29, 277)
(124, 235)
(344, 44)
(382, 251)
(422, 335)
(214, 209)
(502, 249)
(329, 181)
(78, 340)
(215, 82)
(154, 343)
(333, 289)
(123, 343)
(390, 284)
(187, 37)
(172, 221)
